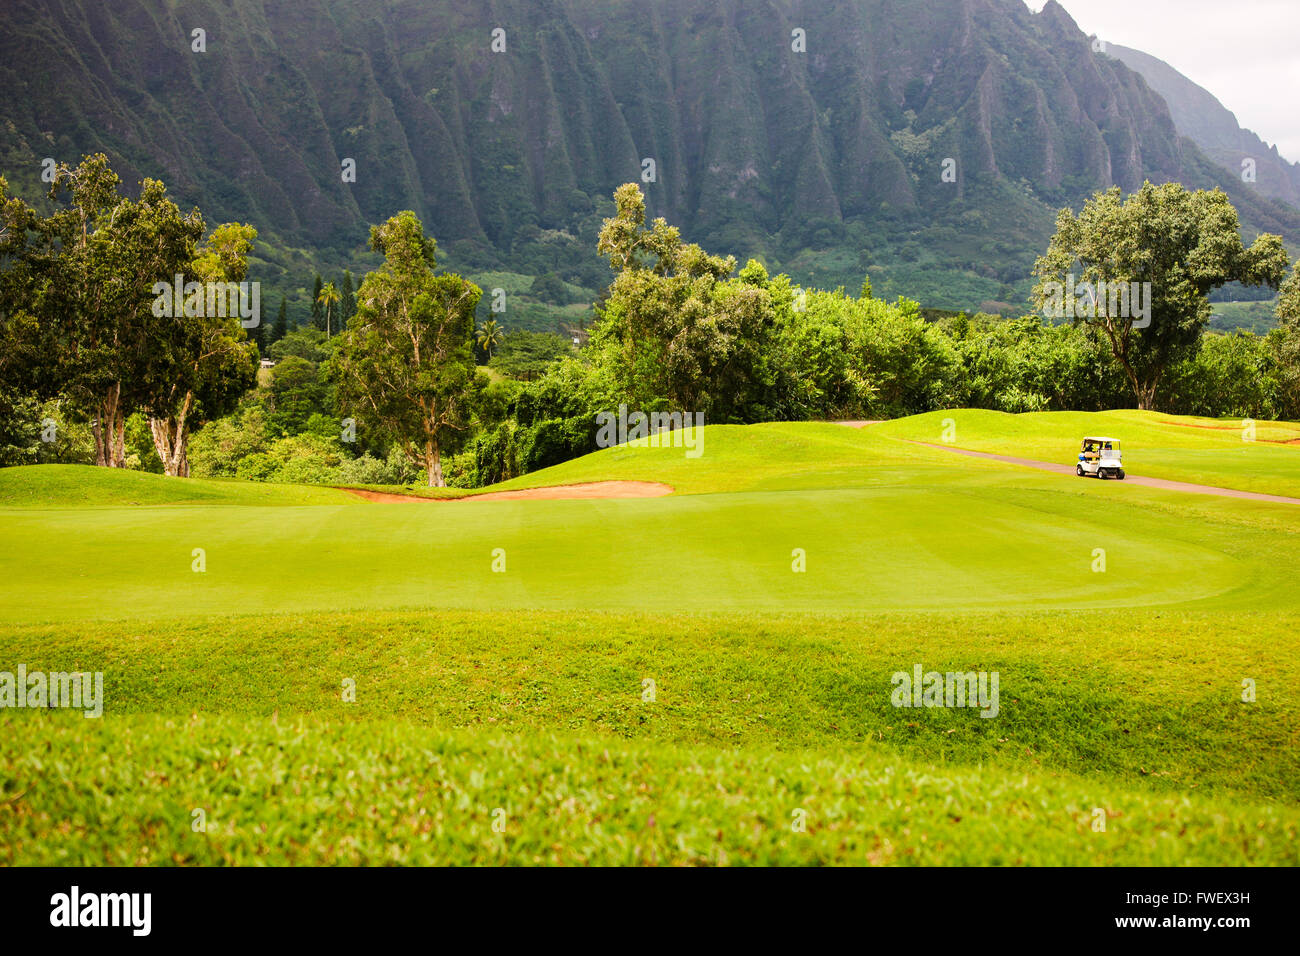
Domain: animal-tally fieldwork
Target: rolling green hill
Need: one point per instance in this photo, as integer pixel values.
(1197, 450)
(881, 519)
(75, 486)
(654, 681)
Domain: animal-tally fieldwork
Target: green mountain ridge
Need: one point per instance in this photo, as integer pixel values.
(827, 164)
(1198, 115)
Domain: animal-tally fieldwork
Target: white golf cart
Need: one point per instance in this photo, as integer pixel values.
(1101, 458)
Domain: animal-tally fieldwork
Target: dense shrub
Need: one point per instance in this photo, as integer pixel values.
(556, 440)
(495, 456)
(1235, 375)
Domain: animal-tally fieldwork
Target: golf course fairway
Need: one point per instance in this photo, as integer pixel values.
(705, 677)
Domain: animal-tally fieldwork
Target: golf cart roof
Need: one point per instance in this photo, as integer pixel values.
(1102, 439)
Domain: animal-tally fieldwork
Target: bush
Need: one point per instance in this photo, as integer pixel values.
(547, 444)
(307, 471)
(258, 466)
(496, 457)
(396, 469)
(219, 447)
(23, 427)
(1235, 375)
(1017, 400)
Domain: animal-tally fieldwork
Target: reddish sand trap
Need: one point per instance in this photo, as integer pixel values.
(859, 424)
(593, 489)
(1131, 479)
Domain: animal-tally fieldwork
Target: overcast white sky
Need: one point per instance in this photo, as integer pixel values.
(1245, 52)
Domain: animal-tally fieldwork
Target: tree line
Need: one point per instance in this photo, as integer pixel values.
(389, 386)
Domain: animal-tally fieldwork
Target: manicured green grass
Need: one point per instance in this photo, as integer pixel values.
(1144, 698)
(79, 486)
(1121, 687)
(298, 791)
(1198, 450)
(943, 534)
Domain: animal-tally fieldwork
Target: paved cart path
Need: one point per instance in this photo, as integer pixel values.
(1131, 479)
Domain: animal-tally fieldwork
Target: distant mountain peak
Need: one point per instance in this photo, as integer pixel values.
(1201, 117)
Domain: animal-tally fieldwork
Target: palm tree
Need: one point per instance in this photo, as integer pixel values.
(328, 297)
(489, 336)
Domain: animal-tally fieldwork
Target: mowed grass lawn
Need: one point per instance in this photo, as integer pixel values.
(522, 697)
(881, 524)
(1229, 453)
(541, 720)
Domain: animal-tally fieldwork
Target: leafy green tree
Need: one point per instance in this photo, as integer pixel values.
(548, 287)
(490, 336)
(495, 403)
(672, 327)
(103, 256)
(297, 393)
(754, 273)
(812, 367)
(28, 346)
(1284, 343)
(217, 449)
(305, 342)
(142, 455)
(1288, 300)
(525, 355)
(204, 361)
(496, 456)
(1231, 375)
(866, 288)
(1018, 365)
(406, 359)
(1184, 244)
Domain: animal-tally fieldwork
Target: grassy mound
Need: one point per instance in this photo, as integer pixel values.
(276, 792)
(80, 486)
(940, 535)
(501, 653)
(1142, 697)
(1198, 450)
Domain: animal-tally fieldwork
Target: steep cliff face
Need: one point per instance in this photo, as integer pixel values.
(1199, 116)
(932, 139)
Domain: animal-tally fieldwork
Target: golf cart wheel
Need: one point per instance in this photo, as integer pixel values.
(1120, 474)
(1103, 474)
(1078, 470)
